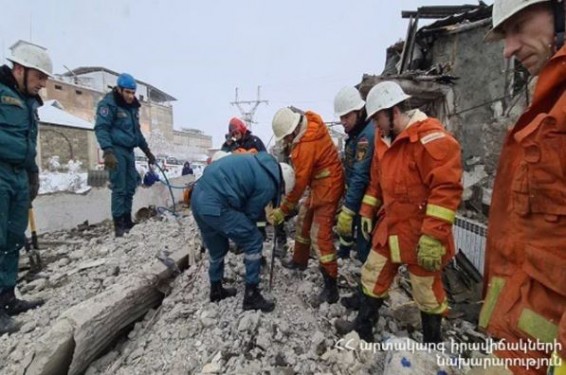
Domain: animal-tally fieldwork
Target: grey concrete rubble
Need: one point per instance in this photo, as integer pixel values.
(188, 334)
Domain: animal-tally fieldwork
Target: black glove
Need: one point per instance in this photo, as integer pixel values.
(33, 181)
(150, 156)
(110, 161)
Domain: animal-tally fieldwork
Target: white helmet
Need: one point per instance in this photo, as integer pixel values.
(219, 155)
(32, 56)
(284, 123)
(347, 100)
(502, 11)
(384, 95)
(288, 177)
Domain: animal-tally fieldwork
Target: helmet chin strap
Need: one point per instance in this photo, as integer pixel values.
(559, 8)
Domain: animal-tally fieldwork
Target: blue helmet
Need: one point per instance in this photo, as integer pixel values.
(126, 81)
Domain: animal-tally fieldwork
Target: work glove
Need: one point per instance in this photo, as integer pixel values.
(33, 182)
(367, 227)
(110, 161)
(344, 222)
(558, 365)
(150, 156)
(277, 216)
(430, 252)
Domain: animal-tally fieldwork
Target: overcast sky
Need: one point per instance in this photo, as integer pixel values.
(301, 52)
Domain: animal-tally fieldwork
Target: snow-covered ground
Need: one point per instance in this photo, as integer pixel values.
(74, 180)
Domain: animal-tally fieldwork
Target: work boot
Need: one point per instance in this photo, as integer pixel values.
(330, 292)
(352, 302)
(7, 324)
(365, 320)
(292, 265)
(432, 328)
(128, 223)
(218, 292)
(119, 227)
(253, 300)
(13, 306)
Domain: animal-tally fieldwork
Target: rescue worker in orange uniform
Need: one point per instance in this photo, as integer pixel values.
(416, 173)
(317, 166)
(525, 269)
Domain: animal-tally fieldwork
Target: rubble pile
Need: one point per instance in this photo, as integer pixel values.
(79, 264)
(188, 334)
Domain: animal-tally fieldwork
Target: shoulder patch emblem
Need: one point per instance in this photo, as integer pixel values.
(362, 149)
(103, 111)
(11, 101)
(432, 137)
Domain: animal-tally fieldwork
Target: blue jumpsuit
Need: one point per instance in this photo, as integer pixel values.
(228, 200)
(357, 161)
(118, 128)
(18, 141)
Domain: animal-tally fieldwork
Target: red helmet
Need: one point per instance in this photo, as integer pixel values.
(237, 125)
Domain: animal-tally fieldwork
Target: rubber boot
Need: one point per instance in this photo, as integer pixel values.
(292, 265)
(353, 302)
(119, 228)
(365, 320)
(127, 220)
(253, 300)
(330, 292)
(432, 328)
(218, 292)
(7, 324)
(13, 306)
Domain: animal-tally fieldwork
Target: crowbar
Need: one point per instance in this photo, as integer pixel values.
(272, 262)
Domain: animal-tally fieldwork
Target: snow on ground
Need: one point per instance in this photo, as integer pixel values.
(54, 182)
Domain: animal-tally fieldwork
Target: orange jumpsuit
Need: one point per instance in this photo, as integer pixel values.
(317, 166)
(525, 269)
(417, 178)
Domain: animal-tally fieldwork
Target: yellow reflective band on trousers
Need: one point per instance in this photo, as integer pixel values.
(424, 295)
(370, 272)
(495, 286)
(394, 249)
(369, 200)
(440, 213)
(327, 258)
(537, 326)
(303, 240)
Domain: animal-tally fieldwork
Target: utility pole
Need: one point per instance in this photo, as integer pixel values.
(248, 115)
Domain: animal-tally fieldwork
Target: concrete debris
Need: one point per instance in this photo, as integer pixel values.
(188, 334)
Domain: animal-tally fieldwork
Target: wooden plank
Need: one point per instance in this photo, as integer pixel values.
(85, 330)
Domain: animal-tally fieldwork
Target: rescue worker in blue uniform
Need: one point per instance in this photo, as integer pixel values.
(226, 203)
(350, 108)
(118, 132)
(19, 173)
(240, 140)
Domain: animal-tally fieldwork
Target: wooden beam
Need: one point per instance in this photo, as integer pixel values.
(85, 330)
